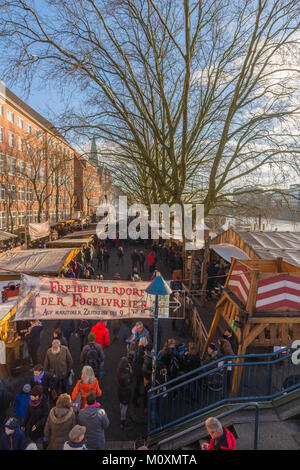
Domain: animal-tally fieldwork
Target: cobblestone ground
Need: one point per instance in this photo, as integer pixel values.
(138, 422)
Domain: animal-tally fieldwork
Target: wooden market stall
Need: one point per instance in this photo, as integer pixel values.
(261, 303)
(69, 243)
(49, 262)
(81, 234)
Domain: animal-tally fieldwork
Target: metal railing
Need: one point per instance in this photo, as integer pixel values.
(260, 377)
(219, 417)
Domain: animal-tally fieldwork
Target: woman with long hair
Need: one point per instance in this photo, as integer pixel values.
(88, 383)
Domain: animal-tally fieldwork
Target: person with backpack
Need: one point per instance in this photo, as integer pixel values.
(170, 358)
(94, 418)
(92, 354)
(88, 383)
(83, 329)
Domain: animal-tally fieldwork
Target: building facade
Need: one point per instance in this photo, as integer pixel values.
(36, 167)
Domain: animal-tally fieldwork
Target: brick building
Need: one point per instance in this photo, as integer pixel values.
(36, 166)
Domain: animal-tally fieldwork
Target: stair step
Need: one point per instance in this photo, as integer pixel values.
(119, 445)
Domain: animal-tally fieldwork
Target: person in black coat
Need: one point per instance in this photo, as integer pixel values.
(48, 382)
(124, 381)
(191, 359)
(147, 371)
(58, 334)
(33, 341)
(12, 438)
(67, 327)
(36, 414)
(5, 401)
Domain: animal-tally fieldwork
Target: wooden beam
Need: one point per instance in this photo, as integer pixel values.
(256, 320)
(253, 334)
(212, 330)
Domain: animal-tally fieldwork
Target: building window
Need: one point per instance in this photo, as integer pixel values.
(36, 216)
(29, 170)
(29, 194)
(35, 131)
(12, 192)
(43, 216)
(42, 175)
(21, 169)
(20, 122)
(29, 217)
(21, 218)
(14, 218)
(2, 163)
(1, 134)
(1, 109)
(2, 191)
(21, 193)
(20, 144)
(2, 219)
(28, 128)
(28, 145)
(11, 139)
(10, 116)
(11, 166)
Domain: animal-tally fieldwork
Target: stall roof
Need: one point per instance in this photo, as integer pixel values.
(81, 234)
(69, 242)
(264, 245)
(7, 307)
(39, 261)
(228, 251)
(6, 235)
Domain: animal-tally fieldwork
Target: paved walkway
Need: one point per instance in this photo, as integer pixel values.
(138, 427)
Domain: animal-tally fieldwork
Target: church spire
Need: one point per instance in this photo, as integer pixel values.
(94, 156)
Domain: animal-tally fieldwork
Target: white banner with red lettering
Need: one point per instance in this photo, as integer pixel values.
(39, 230)
(49, 298)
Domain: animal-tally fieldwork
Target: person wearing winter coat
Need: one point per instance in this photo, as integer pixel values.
(21, 402)
(191, 359)
(12, 438)
(92, 355)
(36, 414)
(88, 383)
(47, 380)
(151, 262)
(32, 338)
(67, 327)
(221, 437)
(102, 338)
(83, 329)
(124, 381)
(59, 361)
(58, 334)
(76, 439)
(95, 420)
(211, 354)
(5, 400)
(226, 350)
(60, 421)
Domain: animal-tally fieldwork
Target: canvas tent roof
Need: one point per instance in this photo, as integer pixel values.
(6, 235)
(45, 261)
(69, 242)
(264, 245)
(227, 251)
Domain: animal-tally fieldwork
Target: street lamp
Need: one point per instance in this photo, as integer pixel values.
(157, 287)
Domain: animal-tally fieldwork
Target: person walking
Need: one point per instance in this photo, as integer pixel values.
(95, 420)
(5, 401)
(124, 381)
(76, 439)
(134, 259)
(92, 355)
(120, 255)
(59, 423)
(142, 259)
(88, 383)
(106, 256)
(59, 361)
(151, 262)
(21, 403)
(47, 380)
(36, 414)
(32, 338)
(102, 338)
(83, 329)
(12, 438)
(100, 253)
(58, 334)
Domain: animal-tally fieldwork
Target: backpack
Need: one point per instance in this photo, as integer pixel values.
(182, 348)
(92, 358)
(173, 367)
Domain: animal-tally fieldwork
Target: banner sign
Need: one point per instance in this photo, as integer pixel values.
(49, 298)
(39, 230)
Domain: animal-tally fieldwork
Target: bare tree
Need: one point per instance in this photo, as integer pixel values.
(195, 96)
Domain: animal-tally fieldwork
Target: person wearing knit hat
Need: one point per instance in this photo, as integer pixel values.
(76, 439)
(13, 438)
(91, 337)
(21, 403)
